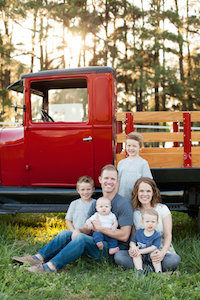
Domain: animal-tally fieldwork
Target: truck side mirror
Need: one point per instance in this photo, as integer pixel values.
(15, 106)
(20, 107)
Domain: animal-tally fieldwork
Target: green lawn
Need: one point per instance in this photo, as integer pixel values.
(85, 278)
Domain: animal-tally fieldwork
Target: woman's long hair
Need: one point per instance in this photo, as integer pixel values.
(156, 198)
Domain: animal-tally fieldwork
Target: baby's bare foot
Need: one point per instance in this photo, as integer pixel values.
(100, 245)
(113, 250)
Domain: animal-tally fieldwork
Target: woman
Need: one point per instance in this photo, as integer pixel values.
(147, 195)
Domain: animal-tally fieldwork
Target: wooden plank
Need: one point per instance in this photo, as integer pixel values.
(120, 116)
(159, 160)
(161, 137)
(158, 116)
(119, 156)
(175, 150)
(166, 157)
(195, 116)
(196, 160)
(195, 136)
(155, 137)
(171, 160)
(157, 150)
(163, 160)
(121, 137)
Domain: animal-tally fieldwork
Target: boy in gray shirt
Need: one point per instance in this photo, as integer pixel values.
(76, 215)
(133, 167)
(78, 210)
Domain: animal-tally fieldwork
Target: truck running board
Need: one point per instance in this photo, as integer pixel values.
(32, 208)
(177, 207)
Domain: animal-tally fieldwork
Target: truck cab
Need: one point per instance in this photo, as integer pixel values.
(67, 132)
(71, 128)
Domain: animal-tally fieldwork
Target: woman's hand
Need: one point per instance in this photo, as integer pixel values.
(157, 256)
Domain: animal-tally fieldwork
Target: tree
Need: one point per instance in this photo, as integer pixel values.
(9, 10)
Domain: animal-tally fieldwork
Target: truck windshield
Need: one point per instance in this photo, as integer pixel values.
(59, 100)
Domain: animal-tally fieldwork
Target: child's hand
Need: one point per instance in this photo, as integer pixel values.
(133, 251)
(140, 252)
(136, 251)
(75, 233)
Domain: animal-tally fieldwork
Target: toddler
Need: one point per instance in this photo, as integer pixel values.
(145, 241)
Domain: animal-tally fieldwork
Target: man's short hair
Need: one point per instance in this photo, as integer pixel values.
(151, 212)
(86, 179)
(136, 136)
(109, 168)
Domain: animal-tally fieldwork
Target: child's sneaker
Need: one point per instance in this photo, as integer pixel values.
(140, 272)
(40, 269)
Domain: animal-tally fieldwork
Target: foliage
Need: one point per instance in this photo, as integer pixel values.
(151, 44)
(88, 279)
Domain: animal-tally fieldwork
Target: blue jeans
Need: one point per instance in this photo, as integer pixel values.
(170, 261)
(100, 237)
(62, 250)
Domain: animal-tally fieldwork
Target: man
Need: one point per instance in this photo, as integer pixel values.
(66, 247)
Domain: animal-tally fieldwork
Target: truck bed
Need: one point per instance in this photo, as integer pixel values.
(171, 147)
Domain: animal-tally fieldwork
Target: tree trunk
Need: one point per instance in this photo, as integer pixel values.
(33, 39)
(180, 43)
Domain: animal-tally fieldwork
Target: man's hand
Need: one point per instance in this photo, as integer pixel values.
(97, 224)
(75, 233)
(89, 225)
(114, 227)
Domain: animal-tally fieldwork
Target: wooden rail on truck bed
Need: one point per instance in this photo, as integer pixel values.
(181, 152)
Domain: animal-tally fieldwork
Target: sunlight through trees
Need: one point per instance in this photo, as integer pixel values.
(152, 44)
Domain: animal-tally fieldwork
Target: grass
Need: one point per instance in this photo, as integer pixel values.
(88, 279)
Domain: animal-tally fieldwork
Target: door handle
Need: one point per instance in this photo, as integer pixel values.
(88, 139)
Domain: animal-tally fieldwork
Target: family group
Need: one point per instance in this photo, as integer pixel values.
(128, 222)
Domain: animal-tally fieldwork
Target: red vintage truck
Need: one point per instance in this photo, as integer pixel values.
(71, 128)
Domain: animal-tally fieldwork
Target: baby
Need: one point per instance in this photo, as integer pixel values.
(107, 220)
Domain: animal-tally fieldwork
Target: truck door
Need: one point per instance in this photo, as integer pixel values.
(59, 136)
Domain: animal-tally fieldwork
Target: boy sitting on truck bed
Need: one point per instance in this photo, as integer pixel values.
(76, 215)
(133, 167)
